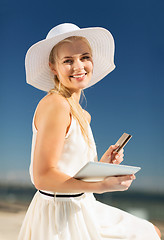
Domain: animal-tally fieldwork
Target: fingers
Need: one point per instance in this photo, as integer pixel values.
(121, 151)
(126, 181)
(111, 156)
(108, 155)
(117, 183)
(118, 157)
(112, 148)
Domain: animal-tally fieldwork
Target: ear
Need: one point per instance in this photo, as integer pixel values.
(52, 67)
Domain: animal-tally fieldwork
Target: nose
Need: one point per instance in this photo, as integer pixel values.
(78, 65)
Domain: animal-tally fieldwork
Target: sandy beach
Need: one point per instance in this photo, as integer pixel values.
(12, 215)
(10, 224)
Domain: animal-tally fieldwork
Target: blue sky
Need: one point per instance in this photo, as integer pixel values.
(130, 99)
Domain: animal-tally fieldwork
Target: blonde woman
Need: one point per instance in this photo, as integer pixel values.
(69, 60)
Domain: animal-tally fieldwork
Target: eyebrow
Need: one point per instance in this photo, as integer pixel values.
(71, 56)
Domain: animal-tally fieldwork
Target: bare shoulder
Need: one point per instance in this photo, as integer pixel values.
(88, 116)
(52, 106)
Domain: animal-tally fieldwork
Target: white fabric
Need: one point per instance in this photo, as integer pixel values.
(38, 73)
(75, 153)
(83, 217)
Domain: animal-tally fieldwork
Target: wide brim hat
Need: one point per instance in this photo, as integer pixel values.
(38, 73)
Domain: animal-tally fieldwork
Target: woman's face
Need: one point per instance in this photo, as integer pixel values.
(74, 65)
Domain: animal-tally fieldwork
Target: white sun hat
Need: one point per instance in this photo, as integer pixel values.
(38, 73)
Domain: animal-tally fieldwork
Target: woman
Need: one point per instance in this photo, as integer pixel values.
(69, 60)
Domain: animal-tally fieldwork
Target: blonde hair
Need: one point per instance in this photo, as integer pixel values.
(76, 110)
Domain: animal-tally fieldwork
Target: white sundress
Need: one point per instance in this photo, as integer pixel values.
(79, 218)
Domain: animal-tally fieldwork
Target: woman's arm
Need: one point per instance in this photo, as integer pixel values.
(52, 120)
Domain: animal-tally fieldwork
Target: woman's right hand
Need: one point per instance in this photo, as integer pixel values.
(117, 183)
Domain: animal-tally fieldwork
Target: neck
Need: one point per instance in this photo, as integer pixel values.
(76, 95)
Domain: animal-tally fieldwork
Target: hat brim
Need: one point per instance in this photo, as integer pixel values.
(38, 73)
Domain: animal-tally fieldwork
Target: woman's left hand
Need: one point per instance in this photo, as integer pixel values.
(110, 156)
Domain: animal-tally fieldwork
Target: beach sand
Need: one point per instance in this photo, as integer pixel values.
(12, 215)
(10, 224)
(11, 218)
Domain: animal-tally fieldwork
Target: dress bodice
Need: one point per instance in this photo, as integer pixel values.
(76, 152)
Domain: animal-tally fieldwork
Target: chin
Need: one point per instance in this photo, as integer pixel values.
(84, 84)
(80, 85)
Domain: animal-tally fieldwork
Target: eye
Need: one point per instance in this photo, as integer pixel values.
(86, 57)
(69, 61)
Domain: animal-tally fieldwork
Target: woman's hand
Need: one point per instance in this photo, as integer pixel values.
(110, 156)
(117, 183)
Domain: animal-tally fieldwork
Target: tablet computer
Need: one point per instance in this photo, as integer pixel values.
(97, 171)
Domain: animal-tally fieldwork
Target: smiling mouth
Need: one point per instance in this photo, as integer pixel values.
(79, 75)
